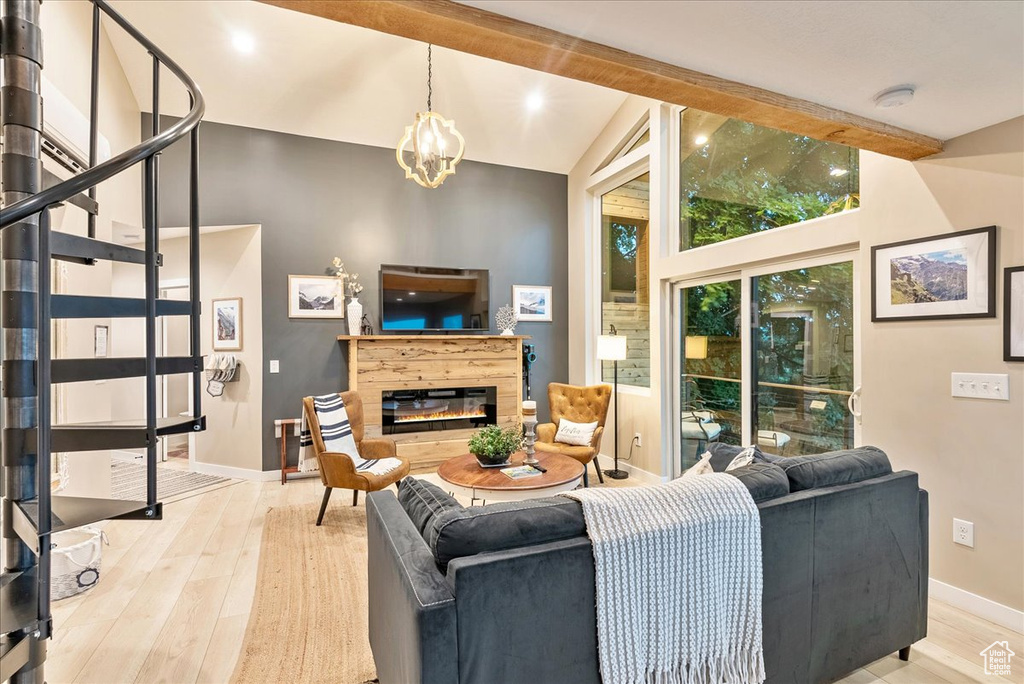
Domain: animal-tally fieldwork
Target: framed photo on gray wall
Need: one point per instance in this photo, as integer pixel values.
(1013, 318)
(532, 302)
(315, 297)
(945, 276)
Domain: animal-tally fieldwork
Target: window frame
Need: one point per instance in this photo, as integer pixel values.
(616, 173)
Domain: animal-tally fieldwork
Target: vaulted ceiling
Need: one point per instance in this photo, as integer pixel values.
(323, 79)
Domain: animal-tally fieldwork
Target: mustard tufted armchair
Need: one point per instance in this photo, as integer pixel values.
(580, 405)
(338, 470)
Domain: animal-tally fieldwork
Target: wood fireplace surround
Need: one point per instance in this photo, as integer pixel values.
(405, 364)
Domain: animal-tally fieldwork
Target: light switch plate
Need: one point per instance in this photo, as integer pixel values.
(275, 366)
(982, 386)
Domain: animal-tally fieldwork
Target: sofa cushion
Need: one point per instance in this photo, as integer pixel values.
(423, 502)
(764, 480)
(469, 531)
(835, 468)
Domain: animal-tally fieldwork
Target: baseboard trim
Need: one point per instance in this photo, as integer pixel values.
(645, 476)
(236, 473)
(987, 609)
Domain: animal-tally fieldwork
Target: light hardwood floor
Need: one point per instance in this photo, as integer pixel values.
(175, 596)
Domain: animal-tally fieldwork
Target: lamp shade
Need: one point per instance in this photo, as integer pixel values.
(696, 347)
(611, 347)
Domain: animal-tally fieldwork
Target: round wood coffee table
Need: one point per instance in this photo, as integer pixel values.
(465, 477)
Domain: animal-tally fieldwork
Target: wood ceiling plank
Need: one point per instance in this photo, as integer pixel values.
(483, 33)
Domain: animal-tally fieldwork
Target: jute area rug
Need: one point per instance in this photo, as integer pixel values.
(309, 614)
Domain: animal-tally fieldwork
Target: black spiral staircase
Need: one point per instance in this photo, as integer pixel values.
(31, 515)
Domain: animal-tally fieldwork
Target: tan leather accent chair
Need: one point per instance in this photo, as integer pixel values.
(580, 405)
(338, 470)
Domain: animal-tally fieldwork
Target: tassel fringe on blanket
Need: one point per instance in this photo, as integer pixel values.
(336, 433)
(678, 576)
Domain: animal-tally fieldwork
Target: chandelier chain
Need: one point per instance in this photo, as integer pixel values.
(430, 74)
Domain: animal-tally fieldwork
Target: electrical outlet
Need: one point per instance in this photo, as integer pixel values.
(963, 532)
(275, 366)
(639, 441)
(981, 386)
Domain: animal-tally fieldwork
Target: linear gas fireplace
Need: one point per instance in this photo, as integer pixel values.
(455, 408)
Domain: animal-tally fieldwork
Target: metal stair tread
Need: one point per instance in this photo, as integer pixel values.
(69, 245)
(15, 611)
(115, 434)
(87, 306)
(13, 656)
(69, 512)
(112, 368)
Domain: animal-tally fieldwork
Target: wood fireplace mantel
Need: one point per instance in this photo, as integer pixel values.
(381, 363)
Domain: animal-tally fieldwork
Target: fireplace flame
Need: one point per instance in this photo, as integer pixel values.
(442, 415)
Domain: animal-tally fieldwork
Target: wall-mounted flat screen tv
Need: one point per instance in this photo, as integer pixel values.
(423, 298)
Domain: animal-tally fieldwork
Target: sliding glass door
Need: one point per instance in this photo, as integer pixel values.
(803, 360)
(768, 358)
(711, 397)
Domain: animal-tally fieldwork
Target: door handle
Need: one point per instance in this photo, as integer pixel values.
(853, 402)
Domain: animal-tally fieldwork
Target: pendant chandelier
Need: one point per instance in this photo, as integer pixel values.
(431, 147)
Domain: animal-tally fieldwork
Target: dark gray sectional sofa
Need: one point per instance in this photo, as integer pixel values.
(505, 593)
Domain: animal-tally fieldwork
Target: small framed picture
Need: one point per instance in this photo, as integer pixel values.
(532, 302)
(100, 339)
(1013, 317)
(227, 324)
(945, 276)
(315, 297)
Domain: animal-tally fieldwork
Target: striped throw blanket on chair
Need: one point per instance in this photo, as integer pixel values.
(336, 433)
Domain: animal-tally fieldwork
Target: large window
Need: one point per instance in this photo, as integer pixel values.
(625, 293)
(737, 178)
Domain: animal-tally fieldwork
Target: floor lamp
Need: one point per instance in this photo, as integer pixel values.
(613, 348)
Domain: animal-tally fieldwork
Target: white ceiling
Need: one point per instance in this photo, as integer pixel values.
(319, 78)
(966, 59)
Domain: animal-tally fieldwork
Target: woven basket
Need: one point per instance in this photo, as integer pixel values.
(75, 558)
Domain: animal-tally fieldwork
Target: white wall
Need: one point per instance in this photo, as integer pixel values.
(67, 30)
(969, 453)
(230, 266)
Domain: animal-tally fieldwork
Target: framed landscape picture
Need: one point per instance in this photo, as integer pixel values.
(532, 302)
(227, 324)
(1013, 319)
(945, 276)
(315, 297)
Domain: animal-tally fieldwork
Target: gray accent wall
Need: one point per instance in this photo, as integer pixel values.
(317, 199)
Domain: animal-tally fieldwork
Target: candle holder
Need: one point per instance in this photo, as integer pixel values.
(529, 425)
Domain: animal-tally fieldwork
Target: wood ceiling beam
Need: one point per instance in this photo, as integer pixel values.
(483, 33)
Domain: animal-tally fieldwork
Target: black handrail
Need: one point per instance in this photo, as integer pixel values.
(115, 165)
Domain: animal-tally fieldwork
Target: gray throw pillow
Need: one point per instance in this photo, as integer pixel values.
(423, 502)
(723, 454)
(479, 529)
(835, 468)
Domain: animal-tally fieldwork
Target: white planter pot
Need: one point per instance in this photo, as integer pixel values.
(355, 316)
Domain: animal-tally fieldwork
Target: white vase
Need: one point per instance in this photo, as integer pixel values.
(355, 316)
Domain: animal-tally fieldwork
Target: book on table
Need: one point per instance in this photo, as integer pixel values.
(519, 472)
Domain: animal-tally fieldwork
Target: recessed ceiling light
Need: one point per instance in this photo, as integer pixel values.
(534, 101)
(398, 299)
(894, 97)
(244, 43)
(701, 139)
(412, 294)
(838, 172)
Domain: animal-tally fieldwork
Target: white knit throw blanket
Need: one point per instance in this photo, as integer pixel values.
(336, 432)
(678, 570)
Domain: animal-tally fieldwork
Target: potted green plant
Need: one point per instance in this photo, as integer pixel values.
(493, 446)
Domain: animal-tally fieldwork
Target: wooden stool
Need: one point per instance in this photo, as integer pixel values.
(282, 434)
